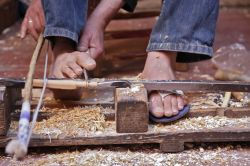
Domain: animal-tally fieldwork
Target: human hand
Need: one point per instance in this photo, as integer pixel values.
(34, 20)
(71, 65)
(92, 38)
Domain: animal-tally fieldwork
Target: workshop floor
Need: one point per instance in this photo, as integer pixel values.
(15, 54)
(233, 27)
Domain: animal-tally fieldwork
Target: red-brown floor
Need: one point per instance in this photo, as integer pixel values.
(15, 54)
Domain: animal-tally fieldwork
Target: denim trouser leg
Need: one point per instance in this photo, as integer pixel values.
(186, 27)
(65, 18)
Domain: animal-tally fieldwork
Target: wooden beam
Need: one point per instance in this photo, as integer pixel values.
(166, 139)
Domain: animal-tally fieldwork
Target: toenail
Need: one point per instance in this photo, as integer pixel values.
(168, 114)
(158, 112)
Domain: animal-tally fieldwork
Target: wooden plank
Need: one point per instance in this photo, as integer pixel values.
(139, 14)
(172, 146)
(166, 140)
(8, 13)
(235, 3)
(3, 106)
(131, 109)
(127, 34)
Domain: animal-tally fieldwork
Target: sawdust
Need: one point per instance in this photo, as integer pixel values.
(228, 155)
(70, 122)
(203, 123)
(215, 100)
(90, 121)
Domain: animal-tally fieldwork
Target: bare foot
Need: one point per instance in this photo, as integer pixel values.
(69, 63)
(158, 67)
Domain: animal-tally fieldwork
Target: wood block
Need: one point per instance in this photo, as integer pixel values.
(8, 96)
(131, 105)
(172, 146)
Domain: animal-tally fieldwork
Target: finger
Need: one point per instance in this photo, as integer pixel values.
(37, 25)
(76, 68)
(41, 15)
(180, 102)
(85, 61)
(24, 28)
(96, 51)
(57, 74)
(68, 72)
(42, 18)
(174, 105)
(168, 106)
(83, 45)
(32, 29)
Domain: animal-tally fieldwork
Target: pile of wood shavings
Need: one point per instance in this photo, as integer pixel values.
(209, 100)
(215, 100)
(207, 122)
(84, 122)
(70, 122)
(218, 156)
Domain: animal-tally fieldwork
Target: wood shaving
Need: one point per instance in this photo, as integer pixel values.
(215, 100)
(203, 123)
(70, 122)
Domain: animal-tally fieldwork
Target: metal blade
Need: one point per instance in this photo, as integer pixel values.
(114, 84)
(185, 85)
(211, 86)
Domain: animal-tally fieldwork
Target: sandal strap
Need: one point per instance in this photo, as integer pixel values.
(164, 94)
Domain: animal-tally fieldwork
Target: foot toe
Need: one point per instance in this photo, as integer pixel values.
(180, 102)
(168, 106)
(174, 104)
(156, 106)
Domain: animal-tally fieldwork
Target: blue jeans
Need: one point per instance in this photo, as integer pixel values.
(184, 26)
(65, 18)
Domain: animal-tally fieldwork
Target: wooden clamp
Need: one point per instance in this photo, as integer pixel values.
(131, 105)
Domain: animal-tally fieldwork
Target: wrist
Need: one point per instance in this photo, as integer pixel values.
(105, 11)
(98, 20)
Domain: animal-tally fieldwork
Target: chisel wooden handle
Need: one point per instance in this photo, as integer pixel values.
(65, 84)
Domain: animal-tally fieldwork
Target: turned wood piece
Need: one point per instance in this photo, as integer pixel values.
(131, 105)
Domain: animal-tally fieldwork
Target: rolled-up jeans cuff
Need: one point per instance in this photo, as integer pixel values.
(195, 52)
(60, 32)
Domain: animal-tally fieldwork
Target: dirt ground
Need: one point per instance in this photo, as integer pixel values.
(233, 27)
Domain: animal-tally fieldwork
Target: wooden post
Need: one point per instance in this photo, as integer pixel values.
(131, 105)
(8, 97)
